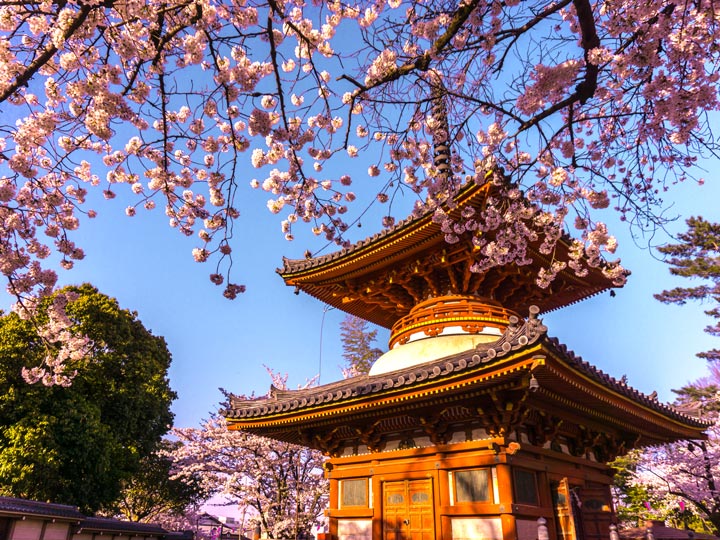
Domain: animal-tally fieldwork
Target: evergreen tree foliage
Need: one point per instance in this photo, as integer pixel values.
(697, 256)
(702, 398)
(358, 350)
(79, 444)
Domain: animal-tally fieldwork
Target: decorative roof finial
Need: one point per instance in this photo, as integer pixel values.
(440, 131)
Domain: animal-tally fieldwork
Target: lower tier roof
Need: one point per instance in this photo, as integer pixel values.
(525, 375)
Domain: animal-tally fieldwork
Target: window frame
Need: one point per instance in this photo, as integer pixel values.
(344, 482)
(516, 472)
(491, 486)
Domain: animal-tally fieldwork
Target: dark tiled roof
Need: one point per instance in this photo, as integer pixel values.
(515, 338)
(381, 278)
(11, 505)
(291, 266)
(22, 507)
(93, 524)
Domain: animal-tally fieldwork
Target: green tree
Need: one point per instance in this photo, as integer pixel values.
(697, 256)
(358, 350)
(156, 492)
(79, 444)
(630, 498)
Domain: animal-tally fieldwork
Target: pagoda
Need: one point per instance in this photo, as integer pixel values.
(475, 425)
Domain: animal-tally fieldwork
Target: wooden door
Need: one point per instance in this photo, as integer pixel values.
(581, 513)
(408, 512)
(596, 512)
(565, 522)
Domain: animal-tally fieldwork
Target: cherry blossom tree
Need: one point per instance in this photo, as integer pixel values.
(568, 106)
(681, 481)
(280, 486)
(687, 473)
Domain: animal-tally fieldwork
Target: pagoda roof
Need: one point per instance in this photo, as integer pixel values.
(469, 381)
(381, 278)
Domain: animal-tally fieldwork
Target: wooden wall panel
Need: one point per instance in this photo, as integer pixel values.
(28, 529)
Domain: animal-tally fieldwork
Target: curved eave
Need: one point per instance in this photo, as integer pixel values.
(403, 236)
(362, 280)
(393, 392)
(565, 381)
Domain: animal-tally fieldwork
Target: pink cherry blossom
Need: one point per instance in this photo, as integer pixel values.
(610, 107)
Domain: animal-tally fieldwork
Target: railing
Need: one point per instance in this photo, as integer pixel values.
(432, 316)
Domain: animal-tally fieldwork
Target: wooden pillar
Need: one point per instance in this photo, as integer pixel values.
(333, 502)
(377, 519)
(509, 530)
(505, 493)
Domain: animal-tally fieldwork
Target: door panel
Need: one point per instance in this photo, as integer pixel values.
(596, 512)
(564, 515)
(581, 513)
(408, 512)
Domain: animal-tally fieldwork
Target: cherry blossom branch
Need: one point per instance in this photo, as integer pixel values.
(423, 61)
(586, 89)
(516, 33)
(50, 50)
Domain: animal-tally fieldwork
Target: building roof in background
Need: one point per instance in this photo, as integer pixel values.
(23, 507)
(110, 525)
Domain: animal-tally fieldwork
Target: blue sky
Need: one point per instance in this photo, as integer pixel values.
(219, 343)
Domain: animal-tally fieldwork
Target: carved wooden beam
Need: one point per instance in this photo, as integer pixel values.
(371, 437)
(400, 297)
(436, 428)
(506, 413)
(327, 443)
(411, 288)
(432, 283)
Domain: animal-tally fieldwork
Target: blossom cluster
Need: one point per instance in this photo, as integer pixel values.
(65, 347)
(177, 105)
(281, 482)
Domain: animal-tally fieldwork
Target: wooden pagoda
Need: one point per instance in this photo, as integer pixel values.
(475, 424)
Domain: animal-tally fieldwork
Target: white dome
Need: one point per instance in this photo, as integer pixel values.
(431, 348)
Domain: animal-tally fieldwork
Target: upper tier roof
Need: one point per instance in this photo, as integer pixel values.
(382, 277)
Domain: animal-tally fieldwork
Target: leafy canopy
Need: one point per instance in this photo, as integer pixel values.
(79, 444)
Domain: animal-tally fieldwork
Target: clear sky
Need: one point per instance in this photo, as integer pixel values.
(220, 343)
